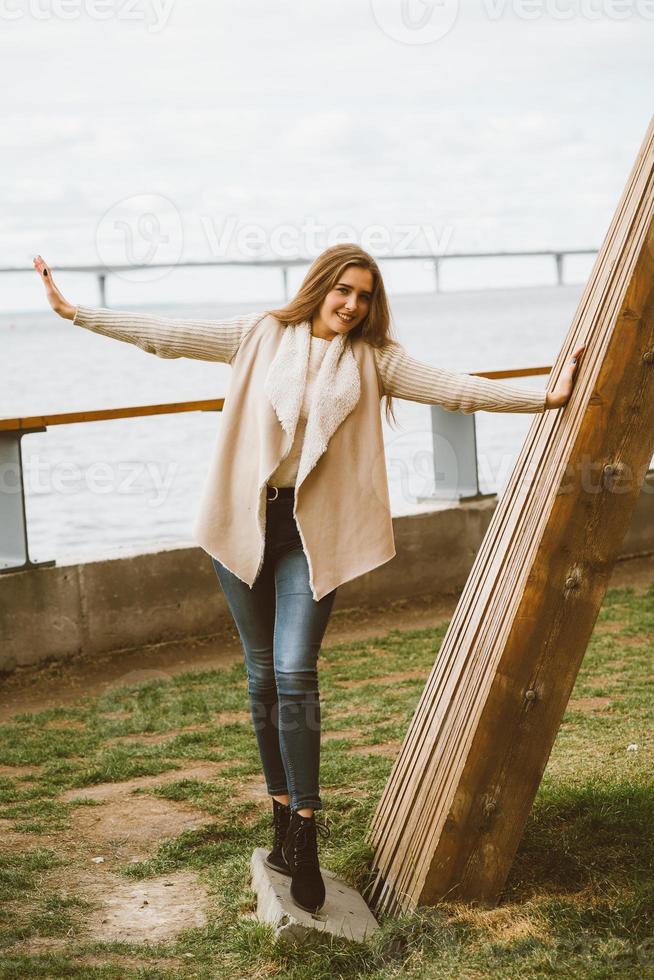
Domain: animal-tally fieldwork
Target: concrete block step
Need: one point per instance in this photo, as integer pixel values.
(344, 913)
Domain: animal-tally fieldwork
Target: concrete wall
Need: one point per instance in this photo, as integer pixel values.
(58, 612)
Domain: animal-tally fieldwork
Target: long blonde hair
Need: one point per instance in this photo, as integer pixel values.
(324, 273)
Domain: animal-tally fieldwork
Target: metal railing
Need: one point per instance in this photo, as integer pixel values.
(455, 472)
(101, 272)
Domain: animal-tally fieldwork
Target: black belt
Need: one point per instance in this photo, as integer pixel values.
(282, 493)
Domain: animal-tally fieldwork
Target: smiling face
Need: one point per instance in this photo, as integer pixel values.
(346, 305)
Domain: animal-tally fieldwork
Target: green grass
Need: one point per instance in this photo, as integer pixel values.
(579, 900)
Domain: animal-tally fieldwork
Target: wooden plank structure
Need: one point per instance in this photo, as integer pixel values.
(453, 811)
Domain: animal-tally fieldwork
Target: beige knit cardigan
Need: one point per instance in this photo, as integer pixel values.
(342, 506)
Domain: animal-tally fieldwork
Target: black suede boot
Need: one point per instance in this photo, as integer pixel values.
(280, 821)
(301, 852)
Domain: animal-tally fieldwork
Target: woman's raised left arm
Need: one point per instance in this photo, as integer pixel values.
(405, 377)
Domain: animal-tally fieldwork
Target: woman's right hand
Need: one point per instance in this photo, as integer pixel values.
(55, 299)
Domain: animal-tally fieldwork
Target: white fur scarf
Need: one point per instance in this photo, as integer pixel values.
(336, 392)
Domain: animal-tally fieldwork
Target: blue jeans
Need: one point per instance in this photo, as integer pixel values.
(281, 627)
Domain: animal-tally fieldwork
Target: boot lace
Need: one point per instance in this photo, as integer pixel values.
(305, 844)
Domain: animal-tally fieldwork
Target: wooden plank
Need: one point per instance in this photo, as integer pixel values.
(497, 550)
(104, 414)
(454, 808)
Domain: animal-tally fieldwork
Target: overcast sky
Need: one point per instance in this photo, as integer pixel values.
(160, 130)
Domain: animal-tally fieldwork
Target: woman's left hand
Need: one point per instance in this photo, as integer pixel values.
(561, 393)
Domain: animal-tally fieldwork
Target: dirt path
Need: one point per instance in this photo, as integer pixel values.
(36, 688)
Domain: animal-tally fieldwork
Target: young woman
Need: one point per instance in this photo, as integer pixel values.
(296, 499)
